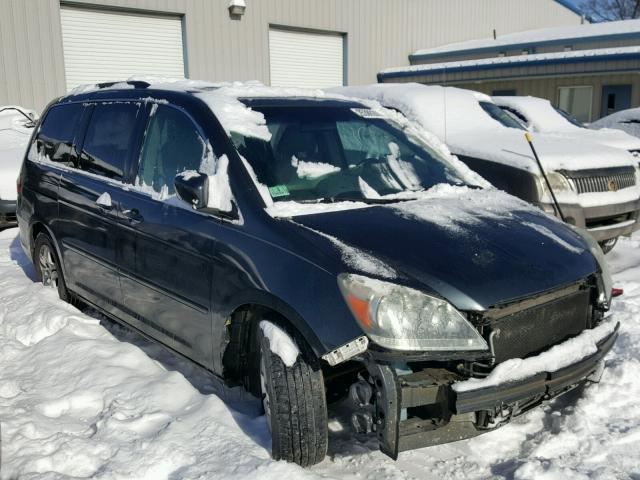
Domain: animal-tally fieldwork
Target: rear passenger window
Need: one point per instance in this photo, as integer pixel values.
(172, 145)
(109, 138)
(55, 137)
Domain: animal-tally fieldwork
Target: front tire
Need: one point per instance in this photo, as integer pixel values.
(48, 267)
(295, 406)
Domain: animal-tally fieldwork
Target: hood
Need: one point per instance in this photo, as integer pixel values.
(509, 146)
(476, 248)
(606, 136)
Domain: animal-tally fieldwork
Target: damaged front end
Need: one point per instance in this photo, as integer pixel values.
(417, 399)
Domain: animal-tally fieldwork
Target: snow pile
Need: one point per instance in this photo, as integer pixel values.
(14, 138)
(280, 343)
(567, 33)
(77, 401)
(220, 195)
(554, 359)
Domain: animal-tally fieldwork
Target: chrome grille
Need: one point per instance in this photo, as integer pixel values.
(604, 180)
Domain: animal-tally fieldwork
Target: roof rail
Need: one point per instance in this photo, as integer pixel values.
(134, 83)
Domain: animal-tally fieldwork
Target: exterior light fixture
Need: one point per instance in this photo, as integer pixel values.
(237, 7)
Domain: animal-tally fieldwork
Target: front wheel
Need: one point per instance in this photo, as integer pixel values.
(48, 267)
(295, 406)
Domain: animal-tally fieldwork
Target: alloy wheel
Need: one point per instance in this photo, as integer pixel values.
(48, 267)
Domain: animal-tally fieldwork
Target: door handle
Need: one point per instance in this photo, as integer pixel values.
(133, 215)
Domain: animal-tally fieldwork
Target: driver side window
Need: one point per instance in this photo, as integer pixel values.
(172, 145)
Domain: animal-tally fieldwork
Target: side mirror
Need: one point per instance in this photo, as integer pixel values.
(193, 188)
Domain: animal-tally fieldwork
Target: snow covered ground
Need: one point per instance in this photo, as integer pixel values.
(81, 397)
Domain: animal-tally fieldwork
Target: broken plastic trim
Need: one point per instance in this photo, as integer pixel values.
(346, 351)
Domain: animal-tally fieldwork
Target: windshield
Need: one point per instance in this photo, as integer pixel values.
(337, 153)
(570, 118)
(501, 116)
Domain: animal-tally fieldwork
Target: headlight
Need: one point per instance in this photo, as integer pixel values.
(402, 318)
(596, 251)
(559, 182)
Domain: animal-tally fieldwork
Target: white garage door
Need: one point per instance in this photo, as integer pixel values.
(101, 46)
(304, 59)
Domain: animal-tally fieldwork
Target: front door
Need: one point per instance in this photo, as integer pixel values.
(166, 280)
(615, 98)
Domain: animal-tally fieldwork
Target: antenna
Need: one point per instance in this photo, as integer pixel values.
(529, 138)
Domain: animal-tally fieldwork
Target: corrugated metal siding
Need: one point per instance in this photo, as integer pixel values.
(379, 34)
(98, 45)
(305, 59)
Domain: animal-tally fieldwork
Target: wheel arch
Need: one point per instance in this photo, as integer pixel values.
(240, 330)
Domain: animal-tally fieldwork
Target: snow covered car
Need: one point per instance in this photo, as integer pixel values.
(596, 186)
(539, 116)
(627, 120)
(313, 247)
(16, 126)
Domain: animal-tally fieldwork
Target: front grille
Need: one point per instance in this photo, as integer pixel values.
(602, 180)
(532, 330)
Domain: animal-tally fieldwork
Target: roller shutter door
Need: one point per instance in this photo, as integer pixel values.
(102, 45)
(306, 59)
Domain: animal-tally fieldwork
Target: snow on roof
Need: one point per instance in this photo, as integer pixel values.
(543, 35)
(426, 105)
(539, 112)
(455, 116)
(498, 62)
(222, 98)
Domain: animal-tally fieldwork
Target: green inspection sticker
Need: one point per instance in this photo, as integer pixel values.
(279, 191)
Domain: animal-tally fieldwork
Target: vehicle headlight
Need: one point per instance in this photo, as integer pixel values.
(401, 318)
(605, 273)
(558, 182)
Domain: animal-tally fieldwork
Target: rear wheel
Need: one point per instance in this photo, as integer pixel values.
(608, 245)
(295, 406)
(48, 267)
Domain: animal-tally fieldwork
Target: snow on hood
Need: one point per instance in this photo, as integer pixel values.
(14, 137)
(475, 247)
(543, 118)
(508, 146)
(456, 117)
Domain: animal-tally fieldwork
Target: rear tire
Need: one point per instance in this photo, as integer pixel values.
(295, 406)
(48, 267)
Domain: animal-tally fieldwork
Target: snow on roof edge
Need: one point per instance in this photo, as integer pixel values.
(537, 36)
(505, 61)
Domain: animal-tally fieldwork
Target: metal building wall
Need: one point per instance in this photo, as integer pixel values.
(380, 33)
(548, 87)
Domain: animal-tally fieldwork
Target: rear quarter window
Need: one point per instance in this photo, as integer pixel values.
(109, 139)
(55, 136)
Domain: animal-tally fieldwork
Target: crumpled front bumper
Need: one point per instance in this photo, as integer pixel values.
(465, 409)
